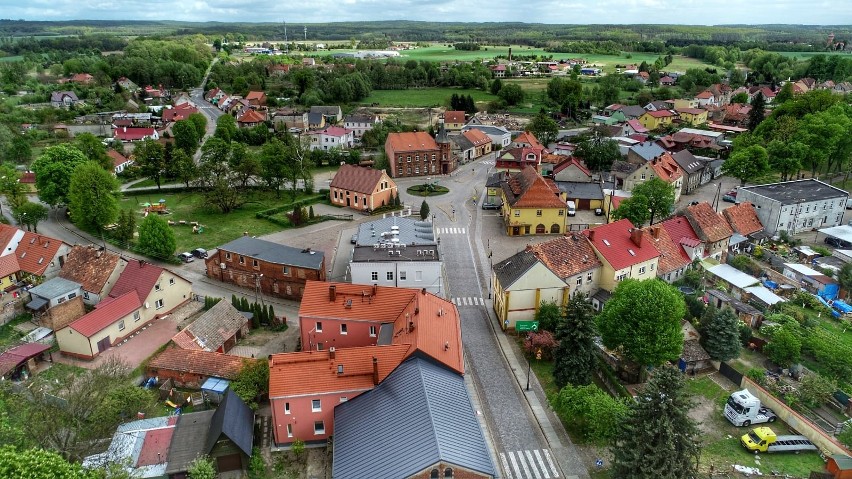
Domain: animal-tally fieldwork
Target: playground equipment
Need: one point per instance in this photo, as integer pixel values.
(159, 207)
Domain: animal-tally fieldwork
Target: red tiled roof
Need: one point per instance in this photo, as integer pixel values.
(660, 113)
(9, 265)
(7, 233)
(767, 92)
(28, 177)
(106, 313)
(528, 138)
(681, 231)
(613, 241)
(710, 226)
(528, 189)
(332, 131)
(672, 256)
(133, 133)
(137, 276)
(690, 111)
(117, 158)
(567, 255)
(743, 218)
(667, 79)
(18, 355)
(179, 112)
(666, 168)
(454, 116)
(314, 372)
(705, 95)
(571, 161)
(204, 363)
(499, 68)
(411, 141)
(252, 116)
(89, 266)
(155, 446)
(356, 178)
(637, 127)
(255, 95)
(477, 137)
(35, 252)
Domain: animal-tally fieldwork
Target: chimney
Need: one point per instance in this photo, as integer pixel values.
(331, 352)
(655, 232)
(636, 237)
(332, 293)
(375, 371)
(375, 289)
(591, 235)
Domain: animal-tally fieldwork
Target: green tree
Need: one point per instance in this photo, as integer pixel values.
(29, 214)
(634, 209)
(186, 137)
(747, 164)
(659, 196)
(10, 185)
(658, 439)
(150, 158)
(53, 171)
(92, 197)
(424, 210)
(19, 151)
(575, 357)
(156, 238)
(37, 463)
(720, 334)
(642, 318)
(252, 380)
(496, 86)
(785, 346)
(184, 167)
(201, 468)
(548, 315)
(94, 149)
(757, 114)
(785, 157)
(226, 128)
(844, 277)
(785, 94)
(544, 128)
(512, 94)
(125, 227)
(598, 152)
(243, 163)
(200, 122)
(741, 98)
(815, 390)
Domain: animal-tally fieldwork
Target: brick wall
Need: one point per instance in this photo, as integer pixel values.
(458, 472)
(63, 314)
(274, 282)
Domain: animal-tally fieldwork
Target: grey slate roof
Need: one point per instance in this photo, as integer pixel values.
(790, 192)
(186, 442)
(583, 190)
(274, 252)
(488, 129)
(462, 142)
(647, 150)
(234, 419)
(512, 268)
(632, 111)
(688, 162)
(54, 288)
(418, 416)
(216, 325)
(494, 180)
(315, 118)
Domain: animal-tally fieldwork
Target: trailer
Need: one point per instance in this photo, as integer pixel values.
(744, 409)
(763, 439)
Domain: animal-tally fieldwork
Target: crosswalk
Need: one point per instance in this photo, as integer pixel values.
(469, 301)
(529, 464)
(489, 162)
(452, 231)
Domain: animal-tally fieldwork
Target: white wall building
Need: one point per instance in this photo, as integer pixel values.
(360, 124)
(330, 138)
(795, 206)
(500, 137)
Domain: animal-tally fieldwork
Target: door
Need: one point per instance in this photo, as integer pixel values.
(230, 462)
(103, 344)
(516, 231)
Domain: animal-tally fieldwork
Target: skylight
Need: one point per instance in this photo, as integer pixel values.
(632, 253)
(606, 242)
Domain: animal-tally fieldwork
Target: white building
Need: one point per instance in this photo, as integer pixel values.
(331, 137)
(360, 124)
(500, 137)
(399, 252)
(795, 206)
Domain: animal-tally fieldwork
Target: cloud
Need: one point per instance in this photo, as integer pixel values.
(533, 11)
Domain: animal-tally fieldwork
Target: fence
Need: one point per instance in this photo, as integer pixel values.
(732, 374)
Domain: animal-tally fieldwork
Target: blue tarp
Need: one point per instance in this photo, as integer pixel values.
(216, 385)
(823, 301)
(842, 306)
(770, 284)
(830, 291)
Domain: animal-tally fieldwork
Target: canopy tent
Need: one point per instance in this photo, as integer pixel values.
(843, 232)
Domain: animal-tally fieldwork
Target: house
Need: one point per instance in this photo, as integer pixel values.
(572, 170)
(397, 251)
(587, 196)
(39, 257)
(765, 298)
(256, 98)
(189, 368)
(362, 188)
(631, 112)
(218, 329)
(454, 120)
(178, 113)
(633, 127)
(430, 404)
(840, 465)
(119, 161)
(527, 140)
(316, 121)
(499, 71)
(63, 99)
(691, 139)
(623, 253)
(500, 137)
(693, 116)
(667, 81)
(417, 154)
(127, 84)
(250, 118)
(743, 220)
(160, 291)
(682, 234)
(20, 362)
(332, 114)
(653, 120)
(138, 447)
(9, 271)
(287, 119)
(747, 313)
(331, 137)
(795, 206)
(706, 98)
(659, 105)
(515, 159)
(52, 293)
(95, 269)
(361, 123)
(131, 134)
(711, 228)
(276, 269)
(736, 280)
(663, 167)
(460, 146)
(644, 152)
(691, 168)
(674, 260)
(493, 190)
(480, 142)
(530, 201)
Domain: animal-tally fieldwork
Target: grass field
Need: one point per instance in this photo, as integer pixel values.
(424, 97)
(806, 55)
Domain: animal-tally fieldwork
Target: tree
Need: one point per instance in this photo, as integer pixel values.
(844, 277)
(252, 380)
(511, 93)
(156, 238)
(94, 150)
(10, 185)
(243, 163)
(548, 315)
(150, 158)
(30, 214)
(201, 468)
(37, 463)
(659, 196)
(785, 157)
(592, 411)
(720, 334)
(575, 356)
(184, 167)
(598, 152)
(199, 121)
(658, 439)
(748, 163)
(496, 86)
(53, 171)
(642, 318)
(756, 115)
(634, 209)
(544, 128)
(815, 390)
(186, 137)
(92, 197)
(19, 151)
(785, 346)
(741, 97)
(125, 227)
(785, 94)
(226, 128)
(424, 210)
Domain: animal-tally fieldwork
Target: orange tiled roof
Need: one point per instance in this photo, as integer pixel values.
(8, 265)
(411, 141)
(89, 266)
(528, 189)
(477, 137)
(252, 116)
(255, 95)
(666, 167)
(205, 363)
(567, 255)
(709, 225)
(568, 161)
(743, 218)
(117, 158)
(529, 139)
(355, 178)
(35, 252)
(7, 233)
(454, 117)
(315, 372)
(672, 256)
(615, 242)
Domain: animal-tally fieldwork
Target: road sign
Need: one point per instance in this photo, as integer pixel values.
(522, 326)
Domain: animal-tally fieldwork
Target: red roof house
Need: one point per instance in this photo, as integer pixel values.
(111, 322)
(178, 112)
(361, 188)
(711, 227)
(743, 218)
(624, 252)
(256, 98)
(129, 134)
(251, 118)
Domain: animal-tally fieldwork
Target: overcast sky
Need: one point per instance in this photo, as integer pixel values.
(695, 12)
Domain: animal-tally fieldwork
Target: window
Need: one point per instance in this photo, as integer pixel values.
(320, 346)
(344, 329)
(643, 176)
(289, 430)
(390, 275)
(517, 213)
(642, 270)
(72, 295)
(343, 398)
(157, 287)
(121, 325)
(538, 212)
(171, 281)
(621, 277)
(435, 474)
(255, 264)
(402, 275)
(319, 427)
(409, 158)
(448, 472)
(286, 408)
(372, 331)
(579, 280)
(228, 256)
(158, 304)
(652, 266)
(561, 212)
(242, 260)
(286, 270)
(589, 277)
(136, 316)
(85, 293)
(374, 276)
(318, 326)
(316, 405)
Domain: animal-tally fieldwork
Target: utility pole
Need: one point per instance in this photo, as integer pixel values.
(286, 45)
(306, 33)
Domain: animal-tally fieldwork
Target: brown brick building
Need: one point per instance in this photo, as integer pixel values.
(417, 154)
(278, 270)
(361, 188)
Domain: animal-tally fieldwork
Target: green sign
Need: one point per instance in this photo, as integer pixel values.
(522, 326)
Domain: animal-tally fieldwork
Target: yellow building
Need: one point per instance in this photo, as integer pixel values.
(454, 120)
(693, 116)
(685, 103)
(654, 120)
(623, 252)
(519, 284)
(531, 205)
(9, 269)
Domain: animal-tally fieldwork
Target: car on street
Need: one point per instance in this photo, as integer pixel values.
(354, 239)
(186, 257)
(729, 198)
(199, 253)
(491, 206)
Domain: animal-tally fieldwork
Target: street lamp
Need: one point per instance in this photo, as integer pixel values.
(529, 361)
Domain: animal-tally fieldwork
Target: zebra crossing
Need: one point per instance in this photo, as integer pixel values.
(529, 464)
(469, 301)
(452, 231)
(489, 162)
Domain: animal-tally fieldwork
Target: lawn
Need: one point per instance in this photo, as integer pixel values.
(807, 55)
(424, 97)
(218, 228)
(149, 183)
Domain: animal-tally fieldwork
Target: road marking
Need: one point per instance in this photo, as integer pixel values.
(528, 464)
(468, 301)
(550, 461)
(541, 464)
(523, 462)
(452, 231)
(505, 466)
(515, 465)
(489, 162)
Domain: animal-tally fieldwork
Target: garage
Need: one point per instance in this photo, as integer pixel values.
(231, 462)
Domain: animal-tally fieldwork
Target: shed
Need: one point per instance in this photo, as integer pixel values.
(840, 465)
(694, 358)
(20, 360)
(763, 296)
(214, 389)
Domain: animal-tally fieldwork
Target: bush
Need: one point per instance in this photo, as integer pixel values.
(591, 411)
(815, 390)
(756, 375)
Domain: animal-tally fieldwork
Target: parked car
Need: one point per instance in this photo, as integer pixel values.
(837, 242)
(572, 208)
(729, 198)
(849, 203)
(598, 211)
(186, 257)
(354, 239)
(199, 253)
(491, 206)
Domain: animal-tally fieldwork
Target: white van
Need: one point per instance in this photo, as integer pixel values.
(572, 208)
(849, 203)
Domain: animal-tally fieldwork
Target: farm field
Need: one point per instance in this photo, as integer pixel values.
(424, 97)
(806, 55)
